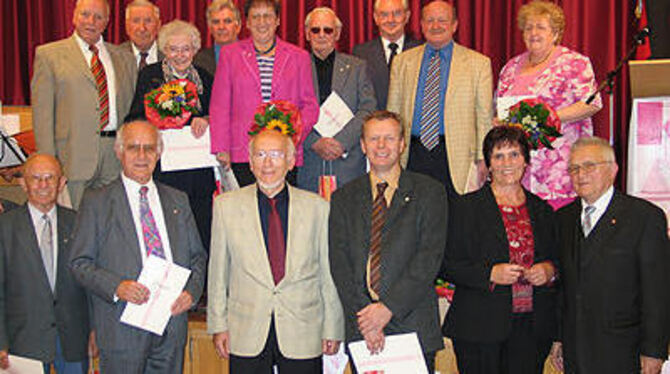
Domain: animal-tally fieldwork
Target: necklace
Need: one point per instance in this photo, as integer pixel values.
(265, 52)
(542, 61)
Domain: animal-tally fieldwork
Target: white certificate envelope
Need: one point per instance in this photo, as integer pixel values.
(334, 114)
(165, 281)
(22, 365)
(401, 355)
(182, 151)
(503, 103)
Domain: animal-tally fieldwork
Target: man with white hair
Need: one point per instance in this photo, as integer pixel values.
(224, 23)
(143, 20)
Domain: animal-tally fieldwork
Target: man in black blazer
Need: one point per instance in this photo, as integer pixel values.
(390, 16)
(143, 20)
(614, 270)
(224, 23)
(410, 243)
(43, 311)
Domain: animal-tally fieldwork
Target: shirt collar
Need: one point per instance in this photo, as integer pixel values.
(37, 214)
(602, 202)
(133, 186)
(400, 42)
(100, 44)
(328, 60)
(151, 51)
(392, 178)
(279, 197)
(442, 51)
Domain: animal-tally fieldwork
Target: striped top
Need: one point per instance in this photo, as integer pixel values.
(265, 66)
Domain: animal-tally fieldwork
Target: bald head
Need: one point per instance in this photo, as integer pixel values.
(42, 181)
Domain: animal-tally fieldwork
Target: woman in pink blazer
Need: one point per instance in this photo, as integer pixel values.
(253, 71)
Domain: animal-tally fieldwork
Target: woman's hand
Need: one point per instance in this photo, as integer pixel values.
(224, 159)
(506, 274)
(199, 126)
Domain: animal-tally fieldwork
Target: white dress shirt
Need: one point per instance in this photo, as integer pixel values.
(109, 73)
(387, 51)
(601, 206)
(152, 57)
(38, 225)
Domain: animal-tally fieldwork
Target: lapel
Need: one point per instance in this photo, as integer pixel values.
(490, 209)
(571, 233)
(294, 226)
(604, 229)
(123, 218)
(170, 213)
(379, 55)
(75, 57)
(259, 252)
(414, 66)
(64, 230)
(30, 242)
(403, 196)
(250, 63)
(117, 64)
(281, 59)
(341, 72)
(459, 67)
(364, 201)
(315, 77)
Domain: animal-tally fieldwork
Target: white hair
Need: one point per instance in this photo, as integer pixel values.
(323, 9)
(143, 3)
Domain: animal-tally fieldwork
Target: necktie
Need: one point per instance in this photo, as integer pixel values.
(152, 238)
(143, 60)
(47, 249)
(378, 218)
(394, 51)
(276, 243)
(587, 224)
(101, 82)
(429, 126)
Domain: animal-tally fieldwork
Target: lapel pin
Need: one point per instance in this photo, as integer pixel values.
(175, 211)
(613, 221)
(407, 199)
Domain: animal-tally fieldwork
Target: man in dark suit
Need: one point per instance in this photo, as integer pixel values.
(346, 76)
(117, 228)
(387, 234)
(143, 19)
(390, 16)
(614, 270)
(43, 310)
(224, 23)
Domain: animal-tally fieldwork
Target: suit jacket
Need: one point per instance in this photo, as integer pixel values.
(128, 46)
(105, 251)
(351, 82)
(615, 287)
(64, 98)
(477, 241)
(32, 317)
(467, 110)
(372, 52)
(206, 59)
(413, 240)
(237, 94)
(242, 295)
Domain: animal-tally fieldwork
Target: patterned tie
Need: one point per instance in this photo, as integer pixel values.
(378, 219)
(152, 238)
(47, 249)
(394, 51)
(143, 60)
(101, 82)
(276, 243)
(587, 224)
(429, 126)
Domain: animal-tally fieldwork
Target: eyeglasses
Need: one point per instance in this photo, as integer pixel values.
(47, 178)
(135, 148)
(396, 14)
(273, 155)
(173, 50)
(326, 30)
(587, 167)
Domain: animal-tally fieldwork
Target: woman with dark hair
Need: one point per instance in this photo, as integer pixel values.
(501, 255)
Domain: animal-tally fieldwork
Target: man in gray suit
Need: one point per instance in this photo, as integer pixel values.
(390, 16)
(117, 228)
(43, 310)
(81, 90)
(143, 19)
(387, 234)
(343, 75)
(223, 21)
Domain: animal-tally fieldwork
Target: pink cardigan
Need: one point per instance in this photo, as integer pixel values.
(237, 93)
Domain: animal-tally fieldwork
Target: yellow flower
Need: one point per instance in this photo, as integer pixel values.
(277, 124)
(173, 90)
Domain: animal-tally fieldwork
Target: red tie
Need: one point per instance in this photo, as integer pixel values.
(276, 243)
(101, 82)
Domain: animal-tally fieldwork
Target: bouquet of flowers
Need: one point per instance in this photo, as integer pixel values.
(445, 289)
(278, 115)
(171, 105)
(537, 119)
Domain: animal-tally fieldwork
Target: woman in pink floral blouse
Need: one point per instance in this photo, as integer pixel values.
(562, 78)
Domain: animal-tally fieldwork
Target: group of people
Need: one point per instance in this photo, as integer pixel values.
(426, 187)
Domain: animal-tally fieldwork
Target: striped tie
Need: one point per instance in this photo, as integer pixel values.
(152, 238)
(429, 125)
(378, 219)
(587, 225)
(101, 82)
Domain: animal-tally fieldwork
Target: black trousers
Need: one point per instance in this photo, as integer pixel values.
(432, 163)
(270, 356)
(520, 353)
(245, 177)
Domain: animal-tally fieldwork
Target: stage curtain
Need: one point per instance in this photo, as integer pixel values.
(600, 29)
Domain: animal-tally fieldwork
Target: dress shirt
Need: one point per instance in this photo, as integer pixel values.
(152, 57)
(387, 51)
(38, 226)
(109, 73)
(133, 193)
(601, 206)
(445, 65)
(392, 180)
(324, 72)
(264, 211)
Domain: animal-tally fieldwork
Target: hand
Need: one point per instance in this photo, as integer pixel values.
(506, 274)
(540, 273)
(328, 148)
(2, 208)
(9, 173)
(224, 159)
(330, 347)
(132, 292)
(199, 126)
(373, 317)
(92, 345)
(221, 342)
(4, 360)
(650, 365)
(374, 341)
(182, 304)
(556, 355)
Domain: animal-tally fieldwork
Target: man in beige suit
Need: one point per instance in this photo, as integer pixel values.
(447, 117)
(271, 297)
(76, 114)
